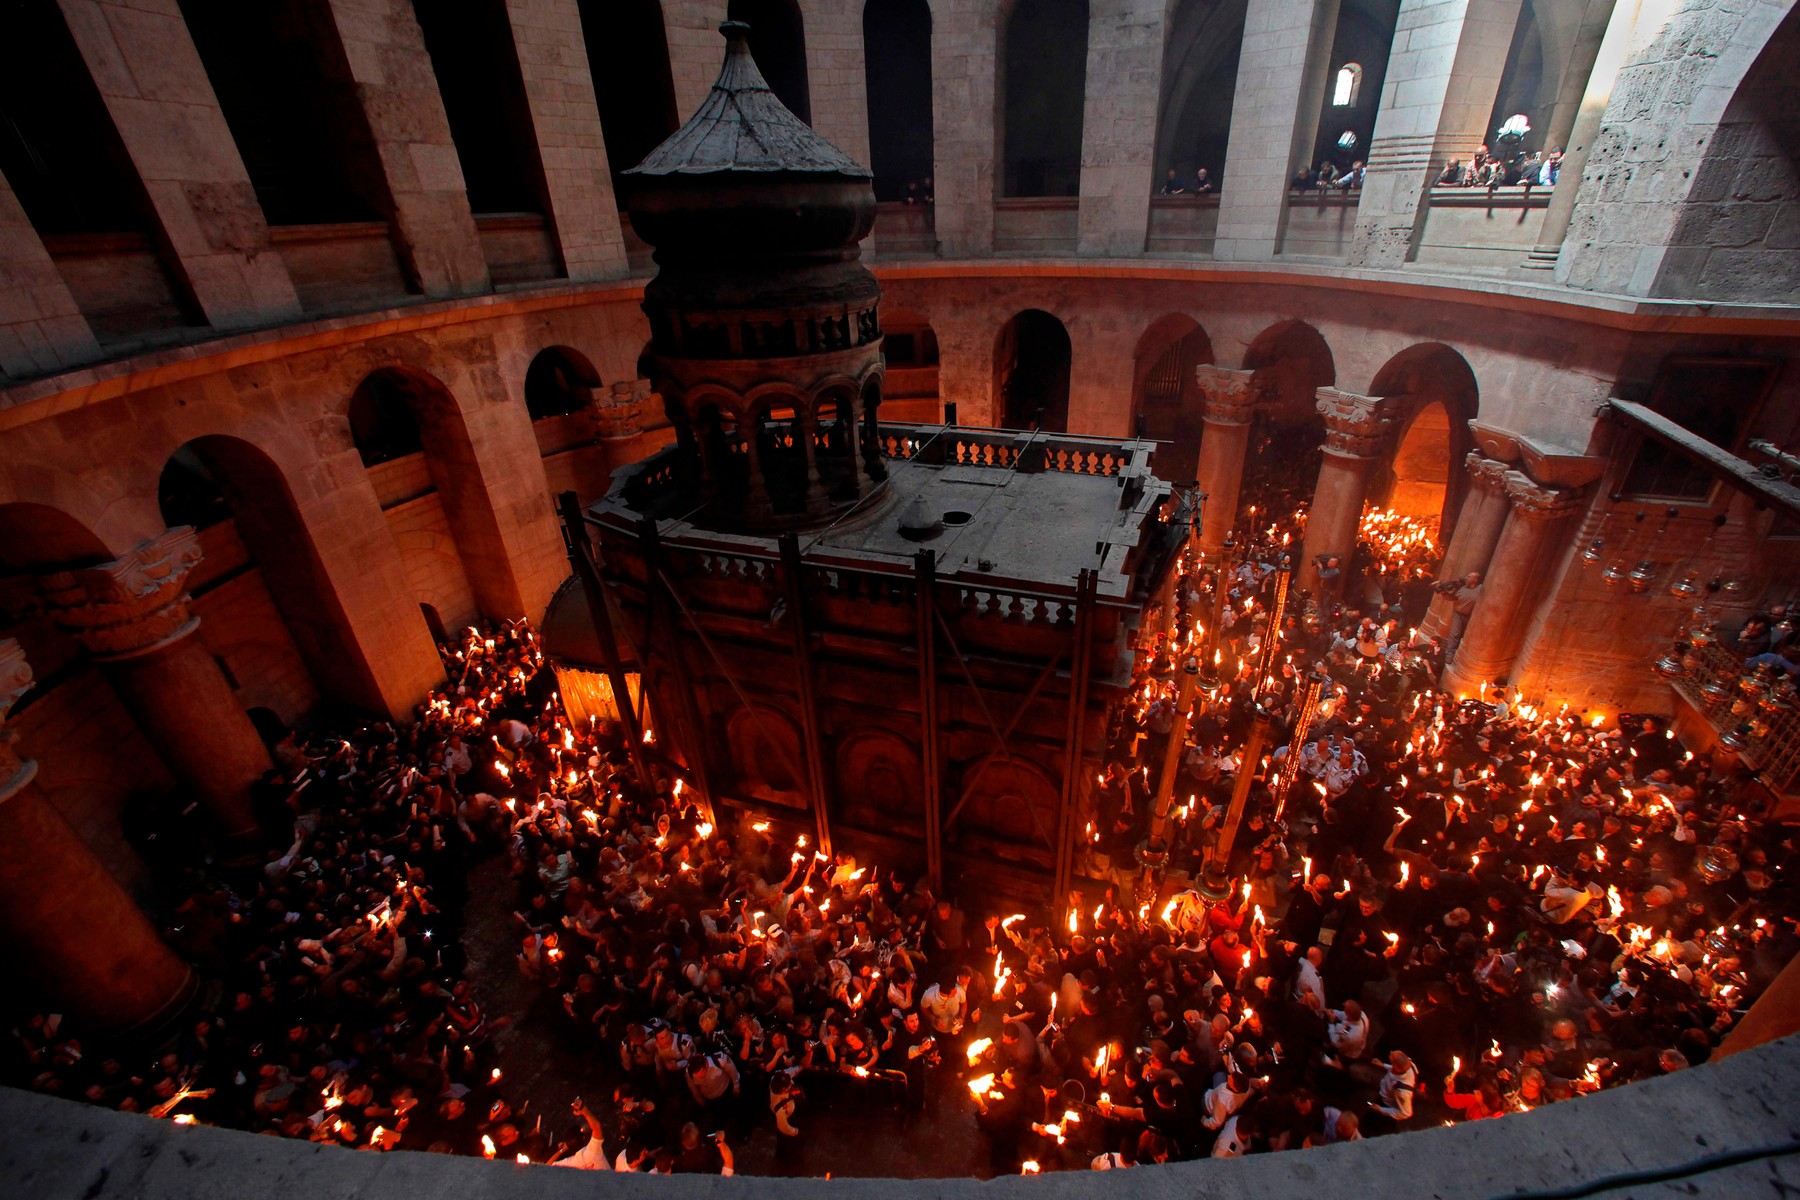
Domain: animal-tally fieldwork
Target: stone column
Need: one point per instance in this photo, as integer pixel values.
(1230, 399)
(1613, 48)
(621, 414)
(1118, 124)
(132, 616)
(965, 70)
(1513, 583)
(387, 65)
(155, 89)
(1357, 431)
(692, 30)
(1477, 532)
(1274, 115)
(1442, 77)
(559, 91)
(42, 330)
(67, 923)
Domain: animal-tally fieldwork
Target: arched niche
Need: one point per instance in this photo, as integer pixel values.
(880, 779)
(1438, 397)
(1008, 807)
(1032, 358)
(766, 755)
(1166, 404)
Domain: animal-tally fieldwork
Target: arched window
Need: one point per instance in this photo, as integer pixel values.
(628, 56)
(1348, 86)
(559, 381)
(382, 422)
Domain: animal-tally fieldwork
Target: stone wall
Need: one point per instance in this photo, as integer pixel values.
(1721, 1129)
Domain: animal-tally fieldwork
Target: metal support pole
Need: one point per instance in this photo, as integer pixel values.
(1216, 885)
(581, 558)
(807, 685)
(1080, 668)
(925, 626)
(1188, 683)
(659, 595)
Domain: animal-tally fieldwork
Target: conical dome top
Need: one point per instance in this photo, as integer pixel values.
(742, 126)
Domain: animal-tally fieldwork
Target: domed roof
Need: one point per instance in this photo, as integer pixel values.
(743, 127)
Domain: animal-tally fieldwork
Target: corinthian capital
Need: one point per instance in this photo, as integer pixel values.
(15, 681)
(1355, 426)
(1230, 397)
(132, 605)
(1488, 474)
(1535, 501)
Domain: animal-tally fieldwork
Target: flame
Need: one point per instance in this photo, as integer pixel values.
(487, 1146)
(977, 1048)
(1073, 916)
(981, 1083)
(860, 1072)
(521, 1159)
(1029, 1167)
(704, 829)
(1008, 922)
(186, 1119)
(760, 826)
(1405, 873)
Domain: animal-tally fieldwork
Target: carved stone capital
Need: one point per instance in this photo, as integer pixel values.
(1230, 397)
(1487, 474)
(1534, 501)
(619, 410)
(1355, 426)
(15, 681)
(132, 605)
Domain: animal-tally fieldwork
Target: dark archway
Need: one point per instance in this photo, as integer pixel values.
(559, 381)
(1165, 399)
(1200, 64)
(452, 470)
(778, 44)
(628, 56)
(897, 75)
(1043, 92)
(909, 388)
(1031, 372)
(382, 423)
(1438, 397)
(1292, 362)
(251, 513)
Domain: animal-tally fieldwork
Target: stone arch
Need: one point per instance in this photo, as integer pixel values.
(910, 353)
(897, 78)
(1009, 806)
(559, 381)
(634, 88)
(1292, 361)
(40, 538)
(766, 755)
(453, 471)
(880, 778)
(1200, 63)
(1042, 90)
(1033, 356)
(276, 541)
(1165, 398)
(1436, 396)
(778, 44)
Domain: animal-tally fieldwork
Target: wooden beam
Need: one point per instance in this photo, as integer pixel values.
(1739, 473)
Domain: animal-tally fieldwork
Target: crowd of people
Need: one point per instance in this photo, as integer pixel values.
(1201, 183)
(1440, 909)
(1485, 169)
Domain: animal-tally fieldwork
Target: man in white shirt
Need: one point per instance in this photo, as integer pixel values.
(1349, 1034)
(591, 1157)
(1308, 981)
(1222, 1102)
(1398, 1079)
(946, 1008)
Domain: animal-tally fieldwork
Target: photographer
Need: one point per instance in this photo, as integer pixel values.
(1463, 594)
(784, 1102)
